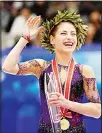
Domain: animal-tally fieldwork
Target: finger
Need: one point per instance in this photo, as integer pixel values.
(31, 20)
(58, 105)
(36, 18)
(39, 32)
(56, 93)
(52, 99)
(41, 29)
(37, 22)
(28, 24)
(53, 103)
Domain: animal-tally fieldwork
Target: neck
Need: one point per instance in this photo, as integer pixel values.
(63, 58)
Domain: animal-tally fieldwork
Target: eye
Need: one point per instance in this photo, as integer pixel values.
(73, 34)
(63, 33)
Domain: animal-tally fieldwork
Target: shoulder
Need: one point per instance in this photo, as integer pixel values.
(34, 66)
(43, 62)
(87, 71)
(40, 61)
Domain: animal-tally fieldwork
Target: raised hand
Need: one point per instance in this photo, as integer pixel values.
(32, 28)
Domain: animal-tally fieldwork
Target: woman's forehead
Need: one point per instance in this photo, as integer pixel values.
(66, 26)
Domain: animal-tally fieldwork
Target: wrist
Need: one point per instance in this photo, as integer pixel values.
(23, 40)
(26, 37)
(69, 104)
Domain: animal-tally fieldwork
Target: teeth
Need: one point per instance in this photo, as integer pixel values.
(68, 44)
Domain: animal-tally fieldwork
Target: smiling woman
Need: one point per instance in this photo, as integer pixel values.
(51, 26)
(65, 37)
(62, 35)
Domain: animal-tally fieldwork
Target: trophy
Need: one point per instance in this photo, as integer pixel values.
(51, 86)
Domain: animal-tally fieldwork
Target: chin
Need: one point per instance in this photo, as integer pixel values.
(68, 50)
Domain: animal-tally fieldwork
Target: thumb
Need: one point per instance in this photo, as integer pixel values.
(40, 30)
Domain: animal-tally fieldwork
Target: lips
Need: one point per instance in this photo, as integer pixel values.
(68, 43)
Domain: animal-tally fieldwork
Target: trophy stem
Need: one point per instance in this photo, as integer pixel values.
(50, 86)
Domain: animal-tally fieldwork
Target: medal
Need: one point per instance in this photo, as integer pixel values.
(65, 124)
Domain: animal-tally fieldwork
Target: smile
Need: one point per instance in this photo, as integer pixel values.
(68, 43)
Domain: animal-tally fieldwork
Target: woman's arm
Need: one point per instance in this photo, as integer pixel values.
(87, 109)
(11, 65)
(93, 107)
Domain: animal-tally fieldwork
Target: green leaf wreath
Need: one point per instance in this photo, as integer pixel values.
(64, 16)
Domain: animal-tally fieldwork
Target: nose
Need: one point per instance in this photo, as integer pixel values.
(68, 36)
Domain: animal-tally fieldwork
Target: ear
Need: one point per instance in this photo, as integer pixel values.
(52, 40)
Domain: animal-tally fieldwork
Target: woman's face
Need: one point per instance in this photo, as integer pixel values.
(65, 38)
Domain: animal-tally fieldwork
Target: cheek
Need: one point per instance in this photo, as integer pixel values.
(75, 40)
(58, 40)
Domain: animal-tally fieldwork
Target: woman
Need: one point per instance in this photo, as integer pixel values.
(62, 36)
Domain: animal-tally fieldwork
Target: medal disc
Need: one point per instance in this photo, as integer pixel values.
(64, 124)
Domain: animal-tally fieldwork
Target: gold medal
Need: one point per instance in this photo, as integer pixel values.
(64, 124)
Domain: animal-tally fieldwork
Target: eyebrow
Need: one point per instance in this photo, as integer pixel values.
(66, 31)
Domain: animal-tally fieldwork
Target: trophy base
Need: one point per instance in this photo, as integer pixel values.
(57, 128)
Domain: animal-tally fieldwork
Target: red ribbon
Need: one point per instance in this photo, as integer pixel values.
(64, 112)
(68, 115)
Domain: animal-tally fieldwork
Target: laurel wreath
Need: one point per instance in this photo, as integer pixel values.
(64, 16)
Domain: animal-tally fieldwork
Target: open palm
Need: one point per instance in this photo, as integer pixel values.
(32, 27)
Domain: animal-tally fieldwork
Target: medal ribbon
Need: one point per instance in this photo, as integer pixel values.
(64, 112)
